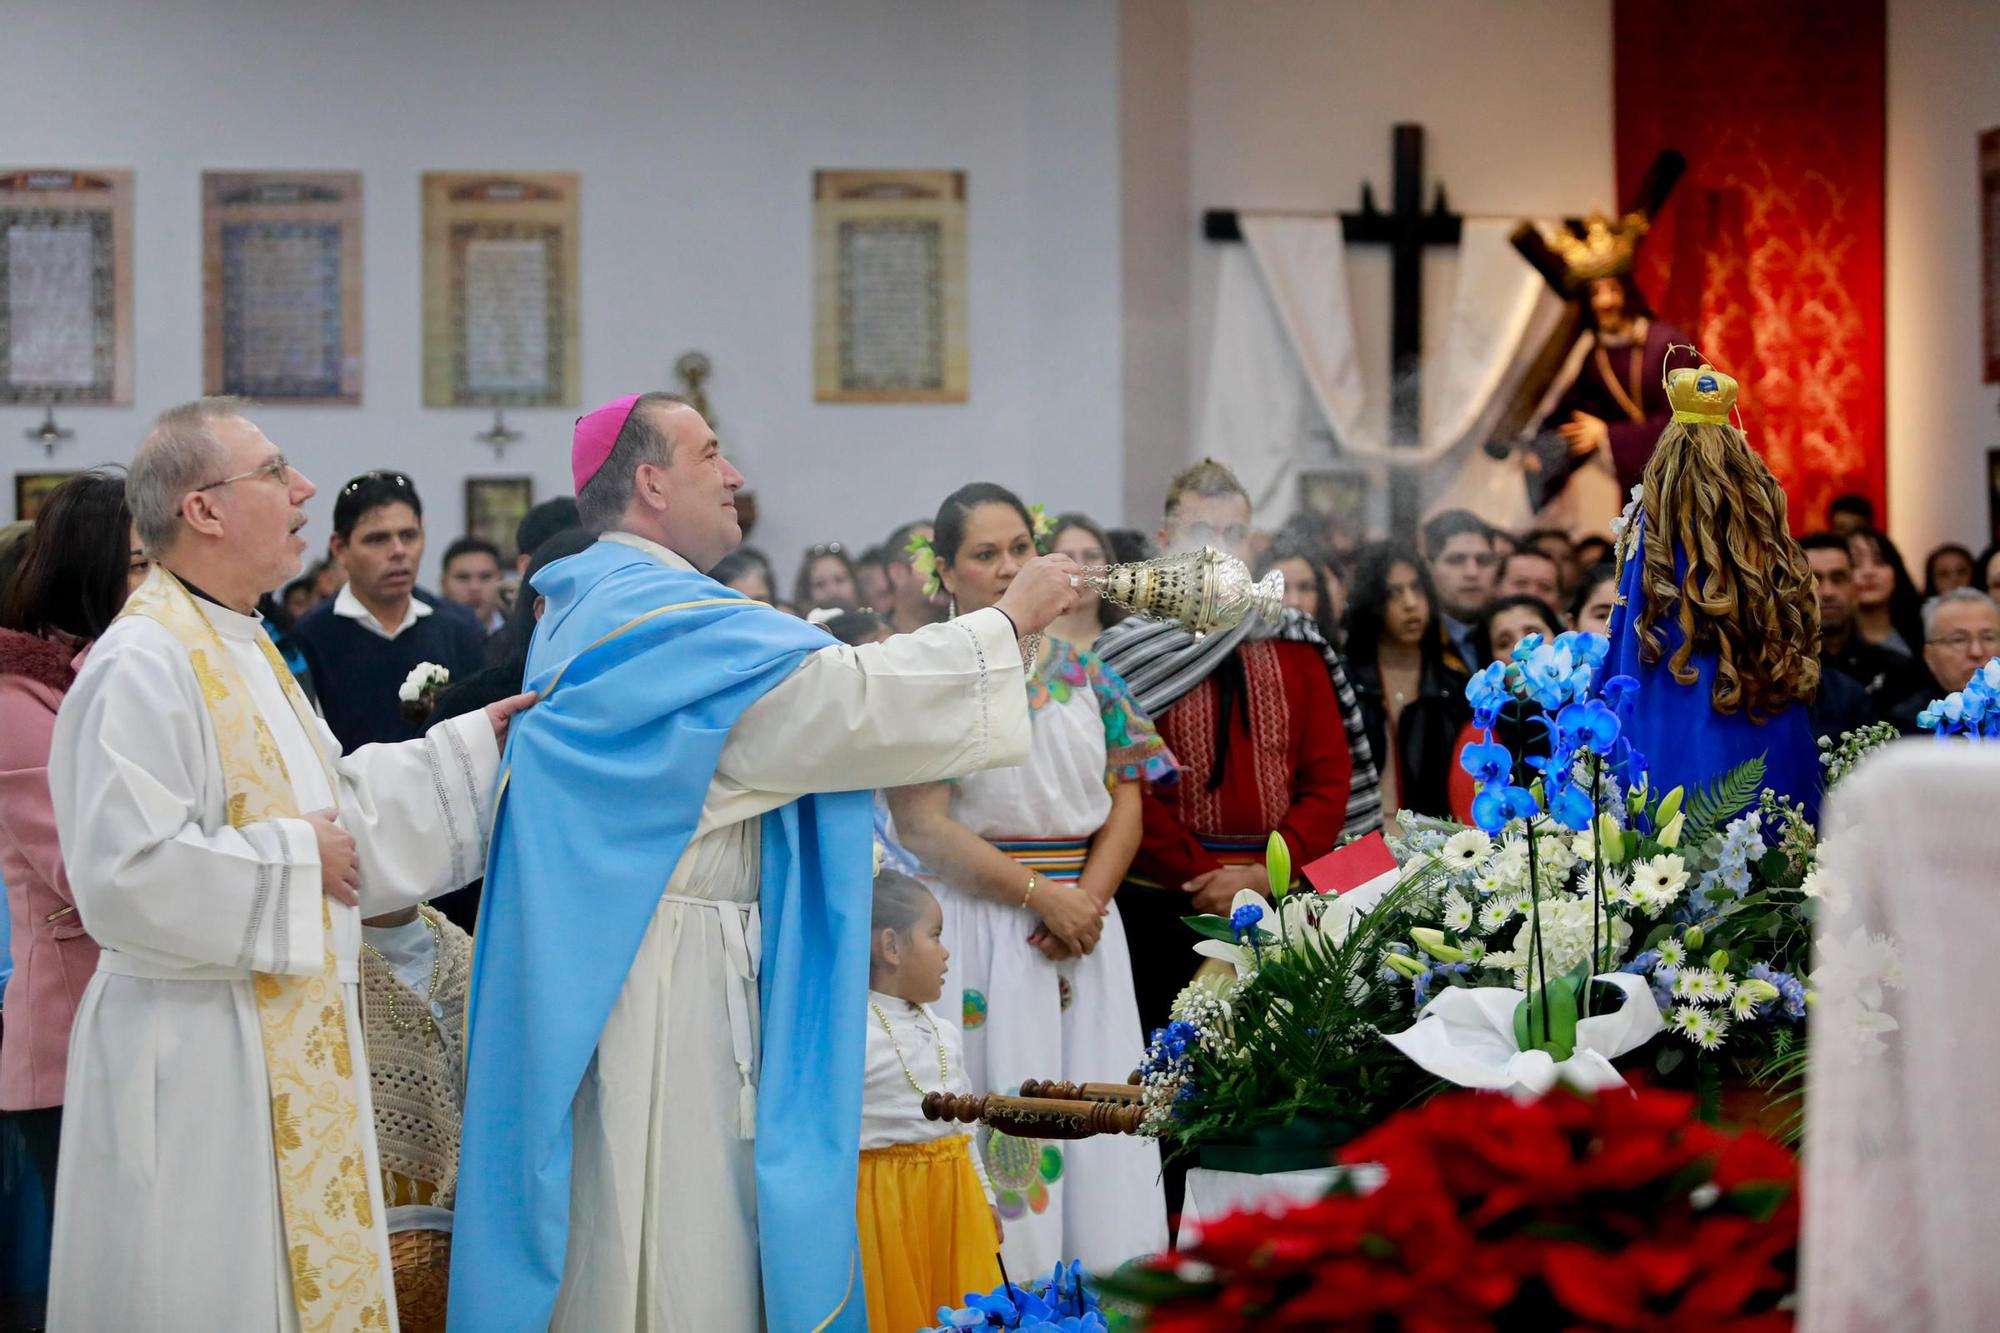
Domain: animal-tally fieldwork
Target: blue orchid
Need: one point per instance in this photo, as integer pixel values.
(1546, 674)
(1972, 712)
(1487, 693)
(1618, 692)
(1569, 806)
(1587, 649)
(1497, 806)
(1487, 761)
(1589, 725)
(1061, 1302)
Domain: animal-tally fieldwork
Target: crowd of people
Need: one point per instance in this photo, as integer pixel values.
(1053, 786)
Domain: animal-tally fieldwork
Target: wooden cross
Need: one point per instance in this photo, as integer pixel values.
(1406, 229)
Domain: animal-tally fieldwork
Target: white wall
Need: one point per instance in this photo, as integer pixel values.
(1291, 103)
(1944, 88)
(696, 126)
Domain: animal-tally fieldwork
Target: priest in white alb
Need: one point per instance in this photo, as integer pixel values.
(663, 1096)
(218, 1167)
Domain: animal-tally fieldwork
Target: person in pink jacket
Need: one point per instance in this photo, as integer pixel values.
(79, 565)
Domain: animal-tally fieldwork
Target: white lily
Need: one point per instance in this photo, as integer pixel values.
(1239, 956)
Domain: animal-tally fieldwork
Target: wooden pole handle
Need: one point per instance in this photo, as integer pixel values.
(1080, 1092)
(1036, 1117)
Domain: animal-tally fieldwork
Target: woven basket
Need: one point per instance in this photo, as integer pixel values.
(422, 1264)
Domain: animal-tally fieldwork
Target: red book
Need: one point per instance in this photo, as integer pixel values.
(1359, 862)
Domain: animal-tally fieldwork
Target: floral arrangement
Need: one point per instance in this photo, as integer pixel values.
(1060, 1302)
(1973, 712)
(1281, 1050)
(1578, 869)
(419, 690)
(1619, 1210)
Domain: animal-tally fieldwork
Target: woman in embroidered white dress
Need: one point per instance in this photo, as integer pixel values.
(1025, 862)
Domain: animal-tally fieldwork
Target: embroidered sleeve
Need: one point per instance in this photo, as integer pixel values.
(1133, 748)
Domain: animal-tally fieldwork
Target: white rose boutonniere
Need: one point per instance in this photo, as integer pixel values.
(420, 689)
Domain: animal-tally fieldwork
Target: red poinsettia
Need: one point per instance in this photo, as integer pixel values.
(1620, 1211)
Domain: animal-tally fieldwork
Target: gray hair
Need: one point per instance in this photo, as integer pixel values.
(607, 495)
(179, 453)
(1956, 597)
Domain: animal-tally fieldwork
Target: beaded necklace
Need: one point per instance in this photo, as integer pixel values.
(944, 1069)
(432, 1014)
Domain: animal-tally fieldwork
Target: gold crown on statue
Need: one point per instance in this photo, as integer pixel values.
(1702, 396)
(1604, 250)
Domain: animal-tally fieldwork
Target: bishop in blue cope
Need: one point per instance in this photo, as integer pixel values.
(665, 1045)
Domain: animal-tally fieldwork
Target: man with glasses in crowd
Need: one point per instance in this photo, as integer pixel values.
(1961, 635)
(381, 626)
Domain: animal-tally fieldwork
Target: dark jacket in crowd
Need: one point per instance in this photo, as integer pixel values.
(359, 673)
(1902, 713)
(1427, 732)
(1884, 675)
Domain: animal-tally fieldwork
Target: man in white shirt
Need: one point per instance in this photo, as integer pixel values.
(380, 627)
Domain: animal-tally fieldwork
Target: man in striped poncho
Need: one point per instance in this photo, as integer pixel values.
(1268, 734)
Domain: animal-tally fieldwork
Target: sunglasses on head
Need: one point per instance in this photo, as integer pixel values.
(396, 479)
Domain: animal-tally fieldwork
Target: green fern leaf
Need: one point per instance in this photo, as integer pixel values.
(1716, 802)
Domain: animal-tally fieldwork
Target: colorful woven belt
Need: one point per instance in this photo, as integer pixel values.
(1230, 851)
(1238, 851)
(1051, 858)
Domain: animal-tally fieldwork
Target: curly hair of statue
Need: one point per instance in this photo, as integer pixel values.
(1747, 595)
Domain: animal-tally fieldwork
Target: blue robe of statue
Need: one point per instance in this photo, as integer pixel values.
(643, 670)
(1686, 743)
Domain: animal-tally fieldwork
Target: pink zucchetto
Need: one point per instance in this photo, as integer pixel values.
(596, 432)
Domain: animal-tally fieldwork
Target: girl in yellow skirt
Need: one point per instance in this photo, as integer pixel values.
(928, 1231)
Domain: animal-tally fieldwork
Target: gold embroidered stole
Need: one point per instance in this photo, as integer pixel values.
(331, 1231)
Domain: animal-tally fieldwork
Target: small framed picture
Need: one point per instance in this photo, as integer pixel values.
(32, 488)
(1343, 494)
(494, 508)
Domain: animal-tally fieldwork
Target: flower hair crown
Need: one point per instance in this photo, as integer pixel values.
(923, 555)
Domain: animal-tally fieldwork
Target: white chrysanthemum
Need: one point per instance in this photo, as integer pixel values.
(1702, 986)
(1617, 885)
(1673, 953)
(1495, 914)
(1709, 1031)
(1658, 881)
(1466, 850)
(1458, 913)
(1684, 1018)
(1489, 881)
(1475, 948)
(1743, 1006)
